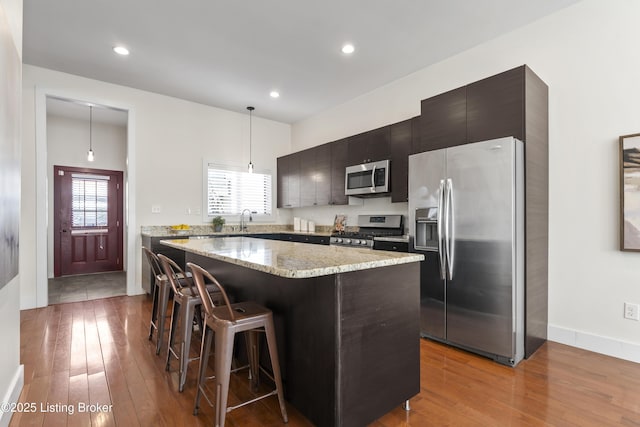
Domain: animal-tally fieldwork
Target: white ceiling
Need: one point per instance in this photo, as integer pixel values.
(232, 53)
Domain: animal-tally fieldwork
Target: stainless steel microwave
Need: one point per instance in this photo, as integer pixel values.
(367, 179)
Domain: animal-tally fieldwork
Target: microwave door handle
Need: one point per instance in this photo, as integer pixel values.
(441, 257)
(373, 180)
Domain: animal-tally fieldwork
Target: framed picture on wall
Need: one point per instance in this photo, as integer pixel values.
(630, 192)
(10, 93)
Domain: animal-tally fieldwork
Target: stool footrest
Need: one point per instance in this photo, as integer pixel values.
(271, 393)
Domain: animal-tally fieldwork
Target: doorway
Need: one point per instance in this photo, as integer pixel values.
(55, 111)
(87, 206)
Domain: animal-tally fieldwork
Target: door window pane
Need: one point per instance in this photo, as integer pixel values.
(90, 195)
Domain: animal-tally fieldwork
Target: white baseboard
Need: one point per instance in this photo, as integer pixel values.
(599, 344)
(12, 395)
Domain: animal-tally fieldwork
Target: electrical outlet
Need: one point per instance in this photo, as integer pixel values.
(631, 311)
(155, 209)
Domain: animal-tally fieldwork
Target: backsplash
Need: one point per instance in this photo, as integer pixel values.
(372, 206)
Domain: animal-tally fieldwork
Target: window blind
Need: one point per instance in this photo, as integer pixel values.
(231, 191)
(89, 200)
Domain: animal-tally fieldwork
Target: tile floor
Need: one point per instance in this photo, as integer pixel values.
(87, 287)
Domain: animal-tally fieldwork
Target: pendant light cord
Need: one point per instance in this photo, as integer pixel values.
(90, 127)
(250, 136)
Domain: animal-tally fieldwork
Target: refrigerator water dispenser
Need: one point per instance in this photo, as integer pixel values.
(426, 238)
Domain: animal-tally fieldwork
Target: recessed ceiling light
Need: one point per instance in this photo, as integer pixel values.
(274, 94)
(348, 48)
(121, 50)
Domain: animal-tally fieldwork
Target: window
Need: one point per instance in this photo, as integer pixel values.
(89, 195)
(230, 190)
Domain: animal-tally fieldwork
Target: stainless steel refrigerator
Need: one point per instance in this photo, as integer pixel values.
(466, 215)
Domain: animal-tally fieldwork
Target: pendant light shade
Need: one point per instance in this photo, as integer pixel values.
(250, 137)
(90, 155)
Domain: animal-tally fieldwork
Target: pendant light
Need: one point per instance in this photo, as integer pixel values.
(250, 135)
(90, 155)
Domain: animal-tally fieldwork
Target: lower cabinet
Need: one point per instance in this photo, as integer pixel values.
(300, 238)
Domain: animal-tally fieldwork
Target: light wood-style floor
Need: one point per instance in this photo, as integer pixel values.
(97, 352)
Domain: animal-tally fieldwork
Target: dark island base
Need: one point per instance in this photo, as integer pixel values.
(348, 343)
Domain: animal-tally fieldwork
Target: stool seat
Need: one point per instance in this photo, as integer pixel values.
(222, 323)
(243, 312)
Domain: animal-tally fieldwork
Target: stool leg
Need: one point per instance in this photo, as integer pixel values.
(163, 300)
(205, 348)
(224, 353)
(187, 326)
(172, 330)
(253, 354)
(154, 310)
(275, 364)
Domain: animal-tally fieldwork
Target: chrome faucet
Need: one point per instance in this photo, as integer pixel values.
(243, 226)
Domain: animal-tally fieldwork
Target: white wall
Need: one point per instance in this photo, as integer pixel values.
(588, 55)
(67, 145)
(11, 372)
(171, 138)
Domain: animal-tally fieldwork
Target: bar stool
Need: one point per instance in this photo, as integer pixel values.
(186, 303)
(225, 322)
(160, 295)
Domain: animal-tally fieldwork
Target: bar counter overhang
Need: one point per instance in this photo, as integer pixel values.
(347, 320)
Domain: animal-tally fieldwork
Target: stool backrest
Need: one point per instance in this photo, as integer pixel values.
(177, 277)
(153, 261)
(199, 274)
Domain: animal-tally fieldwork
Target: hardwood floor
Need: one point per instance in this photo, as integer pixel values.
(97, 352)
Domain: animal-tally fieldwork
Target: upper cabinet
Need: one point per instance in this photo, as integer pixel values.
(513, 103)
(338, 164)
(305, 178)
(487, 109)
(369, 146)
(315, 176)
(443, 121)
(495, 106)
(400, 146)
(288, 181)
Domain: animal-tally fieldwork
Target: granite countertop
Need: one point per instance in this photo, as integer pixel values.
(289, 259)
(205, 230)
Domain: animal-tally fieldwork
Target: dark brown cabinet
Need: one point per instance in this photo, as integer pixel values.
(443, 121)
(338, 165)
(369, 146)
(495, 106)
(315, 176)
(288, 181)
(400, 147)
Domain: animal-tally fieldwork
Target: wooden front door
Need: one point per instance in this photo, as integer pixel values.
(88, 207)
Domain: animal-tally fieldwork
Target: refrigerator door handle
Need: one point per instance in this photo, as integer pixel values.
(450, 229)
(441, 255)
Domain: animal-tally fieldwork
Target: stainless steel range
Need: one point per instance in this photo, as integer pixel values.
(370, 226)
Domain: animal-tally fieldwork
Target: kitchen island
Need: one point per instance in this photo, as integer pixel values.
(347, 320)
